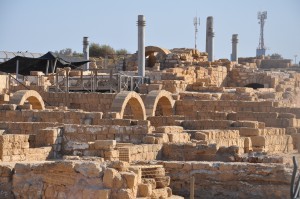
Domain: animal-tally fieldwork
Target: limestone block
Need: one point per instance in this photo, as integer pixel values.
(249, 131)
(169, 129)
(125, 194)
(201, 136)
(96, 194)
(88, 169)
(162, 181)
(149, 181)
(105, 144)
(130, 179)
(111, 154)
(160, 193)
(149, 140)
(144, 190)
(108, 178)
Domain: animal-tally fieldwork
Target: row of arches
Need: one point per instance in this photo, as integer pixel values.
(128, 104)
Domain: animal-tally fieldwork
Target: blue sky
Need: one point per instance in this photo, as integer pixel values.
(40, 25)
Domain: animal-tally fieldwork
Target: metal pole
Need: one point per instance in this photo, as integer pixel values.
(110, 81)
(192, 187)
(47, 67)
(141, 45)
(131, 83)
(54, 68)
(17, 69)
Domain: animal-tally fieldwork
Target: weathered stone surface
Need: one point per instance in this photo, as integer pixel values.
(109, 176)
(144, 190)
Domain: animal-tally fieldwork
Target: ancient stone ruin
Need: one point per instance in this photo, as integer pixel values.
(192, 127)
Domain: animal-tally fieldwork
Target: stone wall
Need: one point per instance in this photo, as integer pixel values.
(230, 180)
(76, 137)
(25, 127)
(14, 148)
(86, 101)
(52, 115)
(185, 107)
(275, 63)
(77, 179)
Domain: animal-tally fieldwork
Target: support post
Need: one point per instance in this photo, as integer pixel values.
(141, 45)
(209, 38)
(17, 69)
(86, 54)
(47, 67)
(131, 83)
(110, 81)
(54, 68)
(234, 56)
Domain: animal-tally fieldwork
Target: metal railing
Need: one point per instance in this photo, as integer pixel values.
(87, 83)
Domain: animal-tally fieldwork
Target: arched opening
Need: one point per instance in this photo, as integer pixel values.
(151, 59)
(35, 103)
(255, 85)
(28, 96)
(155, 55)
(133, 110)
(129, 105)
(163, 107)
(159, 103)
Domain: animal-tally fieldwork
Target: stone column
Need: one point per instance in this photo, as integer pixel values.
(235, 40)
(209, 38)
(86, 54)
(141, 45)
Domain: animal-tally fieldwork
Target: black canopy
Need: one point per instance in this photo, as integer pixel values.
(27, 64)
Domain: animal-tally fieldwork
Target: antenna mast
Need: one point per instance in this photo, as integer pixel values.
(196, 24)
(261, 50)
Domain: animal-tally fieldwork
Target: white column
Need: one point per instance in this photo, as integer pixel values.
(86, 54)
(141, 45)
(209, 38)
(235, 40)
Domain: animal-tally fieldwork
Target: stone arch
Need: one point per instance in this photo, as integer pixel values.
(129, 100)
(31, 96)
(159, 102)
(258, 80)
(150, 52)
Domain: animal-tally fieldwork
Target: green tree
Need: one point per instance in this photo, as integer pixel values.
(69, 52)
(276, 56)
(97, 50)
(122, 52)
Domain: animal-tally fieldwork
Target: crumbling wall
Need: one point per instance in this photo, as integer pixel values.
(51, 115)
(86, 101)
(14, 148)
(89, 179)
(275, 63)
(229, 180)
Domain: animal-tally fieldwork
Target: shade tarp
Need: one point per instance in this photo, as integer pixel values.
(27, 64)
